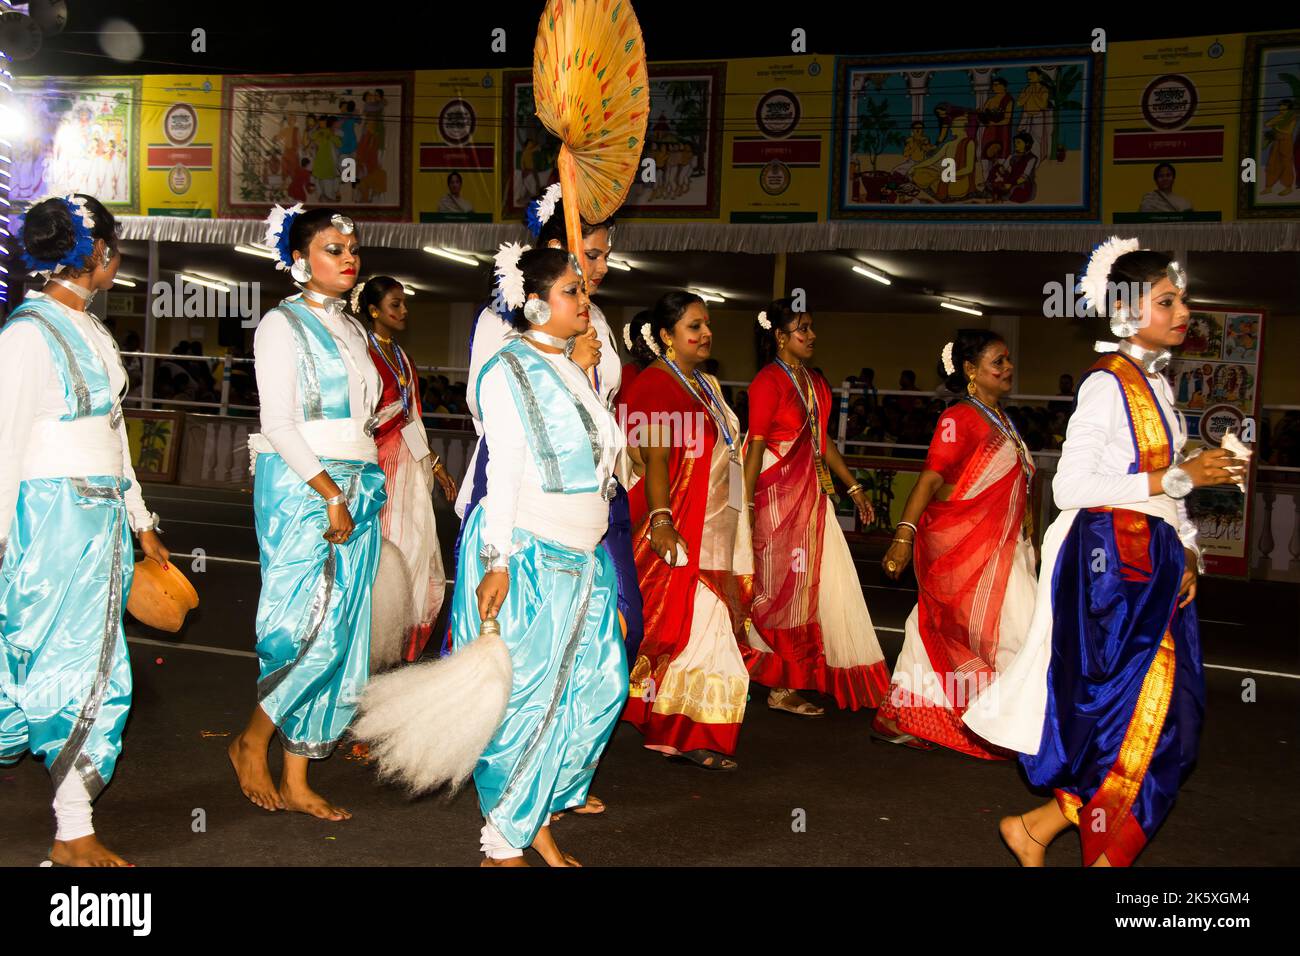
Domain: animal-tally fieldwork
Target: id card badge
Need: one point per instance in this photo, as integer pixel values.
(417, 440)
(735, 485)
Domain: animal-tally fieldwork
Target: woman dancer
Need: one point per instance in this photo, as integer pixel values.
(407, 519)
(968, 521)
(693, 551)
(317, 495)
(812, 629)
(69, 501)
(1105, 700)
(531, 561)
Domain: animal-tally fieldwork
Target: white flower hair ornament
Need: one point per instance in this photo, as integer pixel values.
(649, 339)
(1096, 277)
(627, 335)
(510, 278)
(763, 322)
(948, 367)
(277, 233)
(354, 300)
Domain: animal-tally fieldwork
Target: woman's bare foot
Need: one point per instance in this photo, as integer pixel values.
(1015, 834)
(552, 854)
(84, 851)
(592, 807)
(303, 799)
(254, 774)
(512, 861)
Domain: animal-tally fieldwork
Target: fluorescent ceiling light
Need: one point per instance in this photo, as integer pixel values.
(253, 250)
(708, 296)
(218, 284)
(453, 256)
(960, 308)
(873, 274)
(619, 264)
(119, 280)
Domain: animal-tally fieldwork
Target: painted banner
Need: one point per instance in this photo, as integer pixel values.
(683, 138)
(457, 132)
(342, 140)
(1171, 129)
(1216, 384)
(777, 139)
(1270, 105)
(82, 136)
(997, 135)
(180, 120)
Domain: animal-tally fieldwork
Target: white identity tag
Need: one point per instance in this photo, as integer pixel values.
(735, 486)
(417, 440)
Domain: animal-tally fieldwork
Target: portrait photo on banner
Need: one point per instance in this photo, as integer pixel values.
(1270, 111)
(979, 135)
(82, 136)
(317, 140)
(683, 138)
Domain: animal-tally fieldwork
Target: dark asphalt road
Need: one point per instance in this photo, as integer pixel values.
(864, 803)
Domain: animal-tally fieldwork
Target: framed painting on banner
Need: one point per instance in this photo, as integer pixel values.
(997, 135)
(681, 160)
(456, 130)
(342, 140)
(1270, 124)
(83, 136)
(155, 441)
(1215, 379)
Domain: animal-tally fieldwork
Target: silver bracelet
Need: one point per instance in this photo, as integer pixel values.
(151, 525)
(339, 499)
(908, 524)
(1176, 482)
(569, 346)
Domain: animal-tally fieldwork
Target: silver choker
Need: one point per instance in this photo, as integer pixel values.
(331, 305)
(80, 291)
(1153, 361)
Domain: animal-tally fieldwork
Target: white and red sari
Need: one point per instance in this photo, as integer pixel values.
(812, 628)
(976, 584)
(407, 519)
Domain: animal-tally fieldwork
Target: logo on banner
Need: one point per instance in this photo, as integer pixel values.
(179, 179)
(774, 178)
(777, 113)
(456, 122)
(180, 123)
(1218, 420)
(1169, 101)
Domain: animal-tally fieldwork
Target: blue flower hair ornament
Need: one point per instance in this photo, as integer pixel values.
(83, 245)
(278, 224)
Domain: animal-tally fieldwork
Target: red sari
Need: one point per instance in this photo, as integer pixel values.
(692, 661)
(793, 517)
(407, 518)
(965, 553)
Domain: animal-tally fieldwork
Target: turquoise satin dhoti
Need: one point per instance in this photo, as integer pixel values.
(65, 680)
(560, 623)
(313, 616)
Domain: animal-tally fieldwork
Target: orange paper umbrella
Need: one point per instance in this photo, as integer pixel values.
(591, 91)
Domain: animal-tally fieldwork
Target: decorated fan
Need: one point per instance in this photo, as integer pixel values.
(591, 91)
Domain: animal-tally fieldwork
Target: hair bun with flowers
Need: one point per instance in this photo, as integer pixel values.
(946, 357)
(1097, 274)
(648, 338)
(354, 300)
(83, 240)
(510, 278)
(763, 322)
(541, 209)
(278, 224)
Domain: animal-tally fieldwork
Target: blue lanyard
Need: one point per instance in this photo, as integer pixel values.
(1012, 435)
(398, 374)
(713, 405)
(814, 417)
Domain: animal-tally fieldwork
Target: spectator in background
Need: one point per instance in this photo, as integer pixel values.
(1065, 387)
(133, 363)
(866, 380)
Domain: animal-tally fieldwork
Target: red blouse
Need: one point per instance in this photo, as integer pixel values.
(777, 412)
(393, 393)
